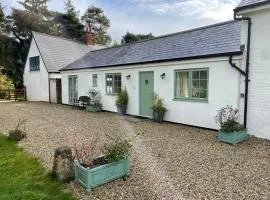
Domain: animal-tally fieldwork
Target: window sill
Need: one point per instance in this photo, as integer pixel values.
(191, 100)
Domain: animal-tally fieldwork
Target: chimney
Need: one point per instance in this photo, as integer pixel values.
(90, 37)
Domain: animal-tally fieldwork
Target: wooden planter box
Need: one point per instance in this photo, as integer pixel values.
(232, 138)
(93, 177)
(93, 108)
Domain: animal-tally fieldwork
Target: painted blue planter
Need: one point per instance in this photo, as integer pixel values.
(93, 108)
(93, 177)
(233, 137)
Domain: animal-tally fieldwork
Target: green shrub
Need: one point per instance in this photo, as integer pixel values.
(19, 132)
(158, 106)
(3, 95)
(117, 150)
(95, 97)
(15, 135)
(122, 97)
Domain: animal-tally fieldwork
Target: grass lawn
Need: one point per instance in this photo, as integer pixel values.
(22, 177)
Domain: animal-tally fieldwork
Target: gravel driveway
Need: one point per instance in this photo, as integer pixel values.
(169, 161)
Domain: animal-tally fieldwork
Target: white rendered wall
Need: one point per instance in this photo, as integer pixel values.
(224, 84)
(53, 93)
(36, 82)
(258, 119)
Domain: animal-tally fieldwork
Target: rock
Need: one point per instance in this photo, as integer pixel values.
(63, 165)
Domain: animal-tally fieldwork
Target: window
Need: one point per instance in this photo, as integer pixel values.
(191, 84)
(34, 63)
(113, 83)
(94, 80)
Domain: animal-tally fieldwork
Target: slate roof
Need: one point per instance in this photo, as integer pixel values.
(57, 52)
(218, 39)
(250, 4)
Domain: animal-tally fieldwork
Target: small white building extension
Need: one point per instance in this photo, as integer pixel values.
(196, 72)
(47, 55)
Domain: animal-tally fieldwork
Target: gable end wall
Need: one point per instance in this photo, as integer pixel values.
(36, 82)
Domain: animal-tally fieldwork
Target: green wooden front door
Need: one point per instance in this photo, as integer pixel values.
(146, 93)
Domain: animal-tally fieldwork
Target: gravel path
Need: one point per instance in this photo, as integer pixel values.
(169, 161)
(153, 169)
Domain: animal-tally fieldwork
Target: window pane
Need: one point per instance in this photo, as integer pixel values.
(196, 93)
(183, 93)
(199, 84)
(37, 63)
(195, 84)
(195, 75)
(182, 84)
(203, 74)
(34, 63)
(117, 83)
(203, 84)
(109, 84)
(94, 80)
(113, 83)
(203, 94)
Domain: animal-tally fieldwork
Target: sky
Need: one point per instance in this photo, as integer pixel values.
(151, 16)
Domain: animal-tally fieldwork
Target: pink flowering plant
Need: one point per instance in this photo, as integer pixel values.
(86, 150)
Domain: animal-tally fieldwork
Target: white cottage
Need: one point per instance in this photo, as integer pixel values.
(196, 72)
(190, 70)
(47, 55)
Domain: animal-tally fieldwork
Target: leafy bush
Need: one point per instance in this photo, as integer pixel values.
(3, 95)
(117, 150)
(158, 106)
(122, 97)
(19, 132)
(227, 118)
(95, 97)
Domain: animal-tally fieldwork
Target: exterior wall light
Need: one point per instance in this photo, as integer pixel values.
(128, 77)
(162, 75)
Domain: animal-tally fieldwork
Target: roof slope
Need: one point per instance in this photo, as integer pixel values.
(216, 39)
(250, 3)
(57, 52)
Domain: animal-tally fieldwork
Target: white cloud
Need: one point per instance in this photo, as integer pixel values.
(215, 9)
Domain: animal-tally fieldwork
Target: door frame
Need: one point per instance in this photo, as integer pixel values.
(140, 72)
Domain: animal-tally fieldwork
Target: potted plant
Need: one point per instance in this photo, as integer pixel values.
(122, 101)
(158, 109)
(231, 131)
(95, 101)
(114, 164)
